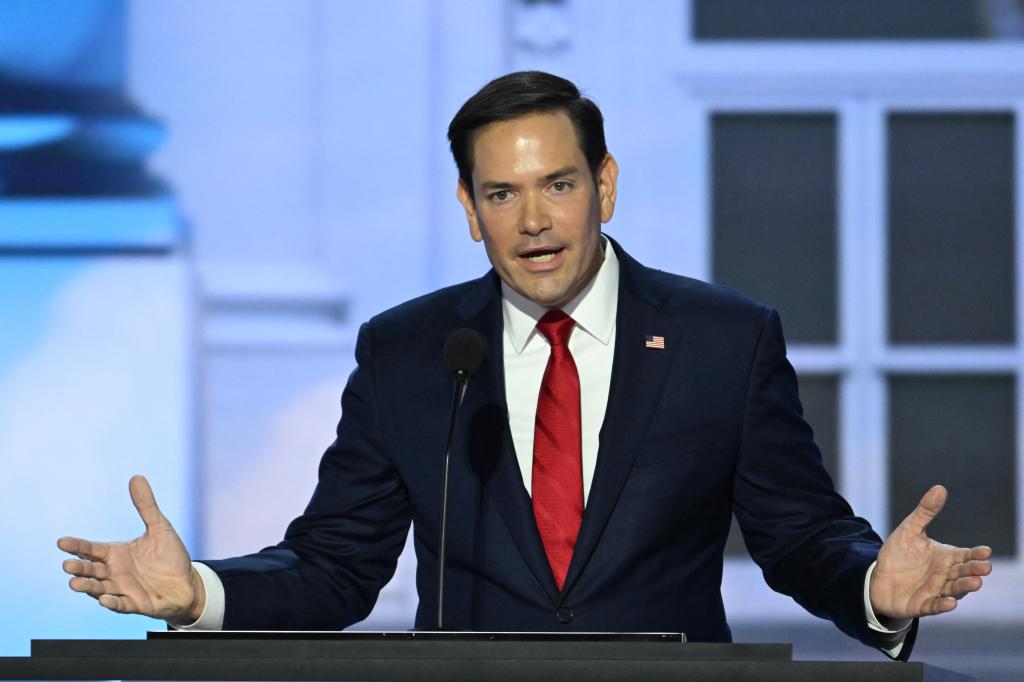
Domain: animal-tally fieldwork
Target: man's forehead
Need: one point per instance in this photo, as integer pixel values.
(534, 143)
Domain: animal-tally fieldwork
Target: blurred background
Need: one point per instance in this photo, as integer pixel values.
(201, 201)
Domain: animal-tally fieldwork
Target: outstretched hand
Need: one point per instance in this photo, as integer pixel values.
(917, 576)
(151, 575)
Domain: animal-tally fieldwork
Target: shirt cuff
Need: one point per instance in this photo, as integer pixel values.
(212, 617)
(894, 631)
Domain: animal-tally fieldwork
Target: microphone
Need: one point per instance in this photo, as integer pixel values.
(464, 354)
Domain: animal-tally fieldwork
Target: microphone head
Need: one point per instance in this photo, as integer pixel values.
(465, 351)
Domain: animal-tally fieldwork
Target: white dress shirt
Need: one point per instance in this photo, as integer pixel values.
(592, 344)
(525, 356)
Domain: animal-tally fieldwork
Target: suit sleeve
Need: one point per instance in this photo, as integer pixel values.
(799, 530)
(335, 557)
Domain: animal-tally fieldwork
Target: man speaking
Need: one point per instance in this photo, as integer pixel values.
(622, 416)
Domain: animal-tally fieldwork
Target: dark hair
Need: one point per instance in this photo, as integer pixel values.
(519, 94)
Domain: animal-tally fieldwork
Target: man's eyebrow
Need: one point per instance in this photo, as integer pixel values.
(562, 172)
(496, 184)
(502, 184)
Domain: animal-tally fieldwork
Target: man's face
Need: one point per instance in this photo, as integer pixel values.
(536, 207)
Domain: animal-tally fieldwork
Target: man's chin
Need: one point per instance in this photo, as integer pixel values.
(552, 300)
(549, 290)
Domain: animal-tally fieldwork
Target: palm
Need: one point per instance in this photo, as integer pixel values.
(151, 575)
(153, 569)
(917, 576)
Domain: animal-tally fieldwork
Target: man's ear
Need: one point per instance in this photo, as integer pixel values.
(607, 177)
(462, 194)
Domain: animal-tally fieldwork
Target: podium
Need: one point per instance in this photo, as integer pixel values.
(455, 656)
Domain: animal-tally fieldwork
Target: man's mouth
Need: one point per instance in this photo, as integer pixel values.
(542, 255)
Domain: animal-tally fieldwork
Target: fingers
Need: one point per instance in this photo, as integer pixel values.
(119, 602)
(962, 587)
(927, 509)
(964, 554)
(86, 569)
(106, 594)
(936, 605)
(84, 549)
(969, 568)
(981, 552)
(92, 587)
(966, 577)
(144, 501)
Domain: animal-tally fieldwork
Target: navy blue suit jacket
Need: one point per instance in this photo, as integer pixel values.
(707, 427)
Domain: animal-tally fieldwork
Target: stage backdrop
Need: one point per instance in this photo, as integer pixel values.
(855, 165)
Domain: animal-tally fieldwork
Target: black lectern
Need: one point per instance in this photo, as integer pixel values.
(455, 656)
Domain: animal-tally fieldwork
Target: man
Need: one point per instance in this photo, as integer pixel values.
(623, 415)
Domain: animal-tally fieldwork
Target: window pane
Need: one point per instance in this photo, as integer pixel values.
(860, 20)
(951, 222)
(820, 397)
(958, 431)
(774, 213)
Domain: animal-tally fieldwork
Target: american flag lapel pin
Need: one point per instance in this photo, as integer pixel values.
(654, 342)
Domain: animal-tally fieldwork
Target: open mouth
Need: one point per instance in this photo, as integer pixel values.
(541, 255)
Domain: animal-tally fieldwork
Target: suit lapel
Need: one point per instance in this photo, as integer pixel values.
(491, 450)
(638, 376)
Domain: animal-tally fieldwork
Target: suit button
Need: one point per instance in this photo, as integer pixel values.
(564, 615)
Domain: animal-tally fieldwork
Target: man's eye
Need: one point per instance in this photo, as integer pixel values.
(561, 186)
(500, 195)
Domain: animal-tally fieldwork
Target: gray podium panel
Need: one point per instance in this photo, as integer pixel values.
(436, 656)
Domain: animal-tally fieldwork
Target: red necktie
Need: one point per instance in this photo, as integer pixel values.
(557, 449)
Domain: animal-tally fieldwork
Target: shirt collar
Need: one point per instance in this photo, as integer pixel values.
(593, 309)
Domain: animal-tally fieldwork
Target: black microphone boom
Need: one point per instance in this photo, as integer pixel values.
(464, 354)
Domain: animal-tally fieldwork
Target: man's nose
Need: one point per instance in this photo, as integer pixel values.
(535, 218)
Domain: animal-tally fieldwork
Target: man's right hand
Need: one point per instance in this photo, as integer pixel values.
(151, 575)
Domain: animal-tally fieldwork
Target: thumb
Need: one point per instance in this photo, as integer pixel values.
(927, 509)
(145, 502)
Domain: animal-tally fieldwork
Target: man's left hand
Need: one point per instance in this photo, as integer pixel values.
(917, 576)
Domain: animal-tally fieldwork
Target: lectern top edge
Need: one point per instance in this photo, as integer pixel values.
(402, 635)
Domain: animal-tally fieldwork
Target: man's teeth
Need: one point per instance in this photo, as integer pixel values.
(541, 257)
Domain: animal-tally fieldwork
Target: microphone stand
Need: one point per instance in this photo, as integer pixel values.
(459, 392)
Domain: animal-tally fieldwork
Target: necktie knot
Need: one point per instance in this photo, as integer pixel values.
(556, 327)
